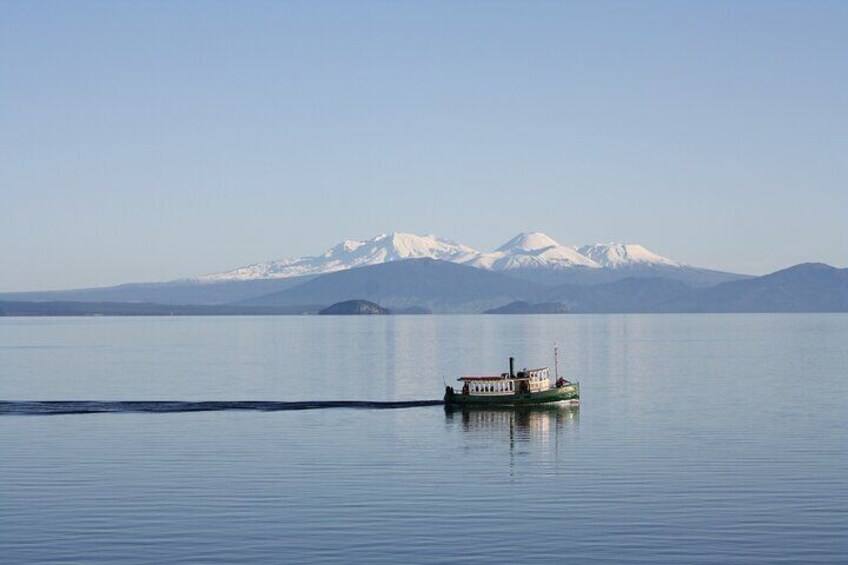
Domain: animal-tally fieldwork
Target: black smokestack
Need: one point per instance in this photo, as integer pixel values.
(512, 367)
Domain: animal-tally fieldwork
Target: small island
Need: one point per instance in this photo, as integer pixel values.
(354, 308)
(520, 307)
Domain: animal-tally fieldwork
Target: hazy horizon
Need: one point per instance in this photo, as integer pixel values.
(156, 141)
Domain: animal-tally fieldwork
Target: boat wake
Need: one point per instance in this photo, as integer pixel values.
(58, 407)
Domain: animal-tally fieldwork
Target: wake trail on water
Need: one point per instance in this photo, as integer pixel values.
(58, 407)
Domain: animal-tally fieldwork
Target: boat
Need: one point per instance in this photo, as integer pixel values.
(522, 388)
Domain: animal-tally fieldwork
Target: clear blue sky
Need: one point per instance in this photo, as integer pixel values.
(146, 141)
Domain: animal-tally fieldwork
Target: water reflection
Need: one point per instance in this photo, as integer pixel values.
(527, 424)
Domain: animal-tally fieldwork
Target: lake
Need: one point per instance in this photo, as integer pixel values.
(699, 439)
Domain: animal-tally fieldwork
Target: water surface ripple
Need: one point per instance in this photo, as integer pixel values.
(699, 439)
(59, 407)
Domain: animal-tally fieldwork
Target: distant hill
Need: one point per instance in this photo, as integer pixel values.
(431, 285)
(585, 276)
(448, 287)
(808, 287)
(631, 295)
(176, 292)
(354, 308)
(521, 307)
(439, 286)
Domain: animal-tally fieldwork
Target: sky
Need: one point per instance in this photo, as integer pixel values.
(148, 141)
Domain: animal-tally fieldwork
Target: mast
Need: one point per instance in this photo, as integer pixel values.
(556, 362)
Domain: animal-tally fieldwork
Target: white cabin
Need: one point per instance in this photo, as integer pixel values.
(528, 380)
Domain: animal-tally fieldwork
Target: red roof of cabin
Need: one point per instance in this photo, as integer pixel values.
(498, 378)
(493, 379)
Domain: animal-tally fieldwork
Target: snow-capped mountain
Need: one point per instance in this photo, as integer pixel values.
(354, 253)
(527, 251)
(528, 241)
(441, 275)
(531, 251)
(617, 256)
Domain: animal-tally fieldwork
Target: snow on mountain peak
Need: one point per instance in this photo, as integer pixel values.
(618, 255)
(399, 245)
(532, 250)
(528, 241)
(352, 253)
(347, 246)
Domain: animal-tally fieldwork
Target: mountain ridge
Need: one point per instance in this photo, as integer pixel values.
(431, 285)
(807, 287)
(440, 286)
(533, 247)
(530, 256)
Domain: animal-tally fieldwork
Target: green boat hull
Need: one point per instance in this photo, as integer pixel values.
(567, 393)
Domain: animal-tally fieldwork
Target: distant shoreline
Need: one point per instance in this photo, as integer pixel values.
(118, 310)
(100, 309)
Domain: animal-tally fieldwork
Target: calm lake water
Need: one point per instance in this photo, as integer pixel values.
(699, 439)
